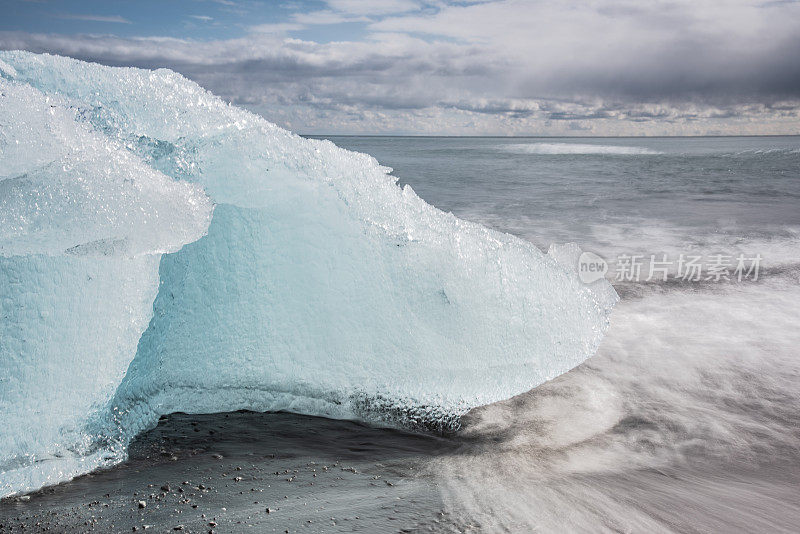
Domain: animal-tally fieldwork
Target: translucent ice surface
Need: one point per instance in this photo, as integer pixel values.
(316, 286)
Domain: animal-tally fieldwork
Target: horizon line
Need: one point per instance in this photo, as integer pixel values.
(549, 136)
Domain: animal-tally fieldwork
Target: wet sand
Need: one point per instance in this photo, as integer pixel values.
(277, 472)
(247, 472)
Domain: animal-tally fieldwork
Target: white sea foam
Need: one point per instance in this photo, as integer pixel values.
(692, 397)
(575, 148)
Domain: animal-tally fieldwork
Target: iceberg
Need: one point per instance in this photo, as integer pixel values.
(162, 251)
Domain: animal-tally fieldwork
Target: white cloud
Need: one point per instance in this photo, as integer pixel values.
(327, 17)
(511, 66)
(373, 7)
(277, 28)
(340, 11)
(94, 18)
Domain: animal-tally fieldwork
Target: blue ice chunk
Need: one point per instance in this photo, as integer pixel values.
(319, 286)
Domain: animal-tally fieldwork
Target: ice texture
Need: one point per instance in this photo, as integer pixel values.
(83, 223)
(317, 286)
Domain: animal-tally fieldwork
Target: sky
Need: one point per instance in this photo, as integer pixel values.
(468, 67)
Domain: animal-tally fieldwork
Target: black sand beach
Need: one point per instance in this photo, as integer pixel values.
(280, 472)
(247, 472)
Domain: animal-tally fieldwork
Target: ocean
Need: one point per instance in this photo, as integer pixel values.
(612, 195)
(688, 417)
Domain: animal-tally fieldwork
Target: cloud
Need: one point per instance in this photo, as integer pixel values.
(94, 18)
(327, 17)
(653, 50)
(202, 18)
(340, 11)
(277, 28)
(507, 66)
(371, 7)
